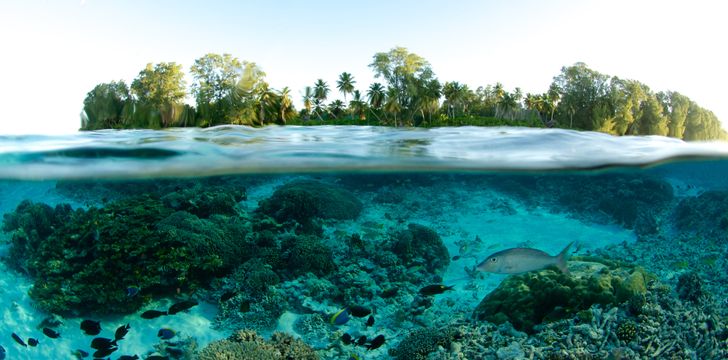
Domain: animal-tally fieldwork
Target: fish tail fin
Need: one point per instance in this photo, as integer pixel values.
(562, 257)
(451, 287)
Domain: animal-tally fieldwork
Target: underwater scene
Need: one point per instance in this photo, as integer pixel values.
(362, 243)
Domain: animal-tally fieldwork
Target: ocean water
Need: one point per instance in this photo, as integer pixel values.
(364, 242)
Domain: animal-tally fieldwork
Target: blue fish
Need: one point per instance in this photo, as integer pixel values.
(340, 318)
(166, 334)
(131, 291)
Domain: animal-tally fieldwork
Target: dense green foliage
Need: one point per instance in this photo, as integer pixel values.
(229, 91)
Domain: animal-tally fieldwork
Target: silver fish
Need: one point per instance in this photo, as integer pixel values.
(521, 260)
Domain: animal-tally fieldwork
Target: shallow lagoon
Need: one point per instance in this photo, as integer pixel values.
(278, 229)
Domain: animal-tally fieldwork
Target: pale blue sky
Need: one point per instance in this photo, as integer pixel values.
(54, 52)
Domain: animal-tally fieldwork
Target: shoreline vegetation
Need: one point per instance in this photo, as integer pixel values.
(229, 91)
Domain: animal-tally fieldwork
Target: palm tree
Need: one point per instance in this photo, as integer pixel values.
(266, 99)
(320, 90)
(345, 84)
(376, 96)
(336, 108)
(285, 105)
(307, 96)
(392, 104)
(358, 106)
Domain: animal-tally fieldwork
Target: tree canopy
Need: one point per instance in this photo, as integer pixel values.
(227, 90)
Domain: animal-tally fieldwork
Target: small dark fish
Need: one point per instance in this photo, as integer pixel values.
(181, 306)
(388, 293)
(33, 342)
(377, 342)
(435, 289)
(370, 321)
(456, 258)
(91, 327)
(2, 353)
(128, 357)
(104, 352)
(102, 343)
(151, 314)
(359, 311)
(19, 340)
(227, 296)
(80, 353)
(362, 340)
(175, 352)
(121, 331)
(51, 333)
(340, 317)
(132, 291)
(165, 334)
(157, 357)
(245, 306)
(346, 339)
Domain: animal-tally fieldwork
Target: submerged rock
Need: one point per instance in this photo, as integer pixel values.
(529, 299)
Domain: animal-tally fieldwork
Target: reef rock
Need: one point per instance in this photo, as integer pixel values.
(529, 299)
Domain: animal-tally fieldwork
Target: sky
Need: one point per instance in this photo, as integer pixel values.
(54, 52)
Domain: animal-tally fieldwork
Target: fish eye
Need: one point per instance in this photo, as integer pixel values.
(493, 259)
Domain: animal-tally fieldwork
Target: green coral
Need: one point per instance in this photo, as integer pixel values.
(421, 243)
(529, 299)
(626, 331)
(83, 260)
(421, 342)
(304, 254)
(303, 201)
(205, 202)
(247, 344)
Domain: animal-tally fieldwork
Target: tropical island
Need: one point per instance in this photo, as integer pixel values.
(227, 90)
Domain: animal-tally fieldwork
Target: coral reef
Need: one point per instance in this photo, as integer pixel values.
(304, 254)
(705, 215)
(420, 245)
(83, 260)
(303, 201)
(248, 345)
(529, 299)
(418, 344)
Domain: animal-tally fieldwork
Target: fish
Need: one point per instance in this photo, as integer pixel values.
(2, 353)
(51, 333)
(121, 331)
(370, 321)
(128, 357)
(104, 352)
(376, 342)
(456, 258)
(151, 314)
(362, 340)
(175, 352)
(181, 306)
(340, 317)
(91, 327)
(388, 293)
(132, 291)
(102, 343)
(359, 311)
(157, 357)
(227, 296)
(435, 289)
(165, 334)
(33, 342)
(521, 260)
(80, 354)
(19, 340)
(346, 339)
(245, 306)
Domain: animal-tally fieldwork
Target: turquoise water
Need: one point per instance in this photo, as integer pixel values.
(328, 234)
